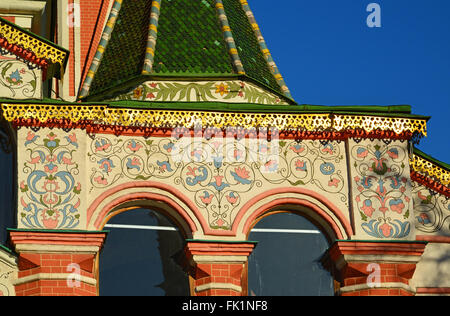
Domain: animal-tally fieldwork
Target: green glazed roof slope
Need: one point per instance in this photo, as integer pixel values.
(179, 38)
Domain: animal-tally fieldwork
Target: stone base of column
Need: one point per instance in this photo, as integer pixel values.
(373, 268)
(217, 268)
(56, 263)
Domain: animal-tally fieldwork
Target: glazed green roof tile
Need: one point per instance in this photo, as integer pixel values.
(125, 51)
(247, 44)
(185, 45)
(203, 39)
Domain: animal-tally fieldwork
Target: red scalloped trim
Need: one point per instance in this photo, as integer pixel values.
(430, 183)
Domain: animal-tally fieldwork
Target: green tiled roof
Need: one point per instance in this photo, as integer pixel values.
(190, 43)
(255, 65)
(192, 39)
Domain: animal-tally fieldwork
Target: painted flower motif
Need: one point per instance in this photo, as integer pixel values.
(327, 168)
(197, 154)
(106, 164)
(51, 186)
(50, 221)
(386, 230)
(101, 180)
(23, 187)
(218, 162)
(138, 92)
(49, 200)
(271, 166)
(67, 161)
(397, 205)
(334, 182)
(77, 189)
(51, 141)
(133, 164)
(393, 153)
(150, 95)
(22, 71)
(300, 165)
(207, 198)
(222, 89)
(367, 208)
(232, 198)
(31, 138)
(238, 154)
(134, 146)
(297, 148)
(102, 145)
(219, 185)
(328, 148)
(15, 78)
(362, 152)
(169, 147)
(72, 139)
(423, 219)
(164, 166)
(51, 168)
(241, 175)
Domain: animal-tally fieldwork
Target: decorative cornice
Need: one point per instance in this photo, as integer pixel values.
(430, 170)
(32, 48)
(104, 115)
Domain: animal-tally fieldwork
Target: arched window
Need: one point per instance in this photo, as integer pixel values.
(286, 261)
(141, 255)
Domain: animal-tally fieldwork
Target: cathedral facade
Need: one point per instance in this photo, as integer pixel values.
(171, 117)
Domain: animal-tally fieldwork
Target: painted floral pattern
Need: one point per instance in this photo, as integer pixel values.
(380, 179)
(219, 177)
(226, 91)
(431, 210)
(17, 80)
(50, 194)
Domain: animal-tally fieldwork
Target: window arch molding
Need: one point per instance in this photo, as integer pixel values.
(315, 207)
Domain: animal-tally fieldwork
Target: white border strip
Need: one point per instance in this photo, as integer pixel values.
(255, 230)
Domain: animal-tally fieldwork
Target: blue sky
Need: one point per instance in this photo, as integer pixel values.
(329, 56)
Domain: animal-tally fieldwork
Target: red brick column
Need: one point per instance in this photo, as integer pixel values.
(374, 268)
(217, 268)
(56, 263)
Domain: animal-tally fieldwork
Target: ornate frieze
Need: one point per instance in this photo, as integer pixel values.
(201, 91)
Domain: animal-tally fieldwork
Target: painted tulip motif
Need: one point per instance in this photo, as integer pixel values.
(300, 165)
(134, 146)
(241, 175)
(206, 198)
(232, 198)
(106, 165)
(297, 148)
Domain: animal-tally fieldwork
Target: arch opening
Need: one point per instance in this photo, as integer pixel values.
(142, 253)
(286, 261)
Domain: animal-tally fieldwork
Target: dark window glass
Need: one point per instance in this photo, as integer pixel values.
(142, 261)
(7, 183)
(288, 263)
